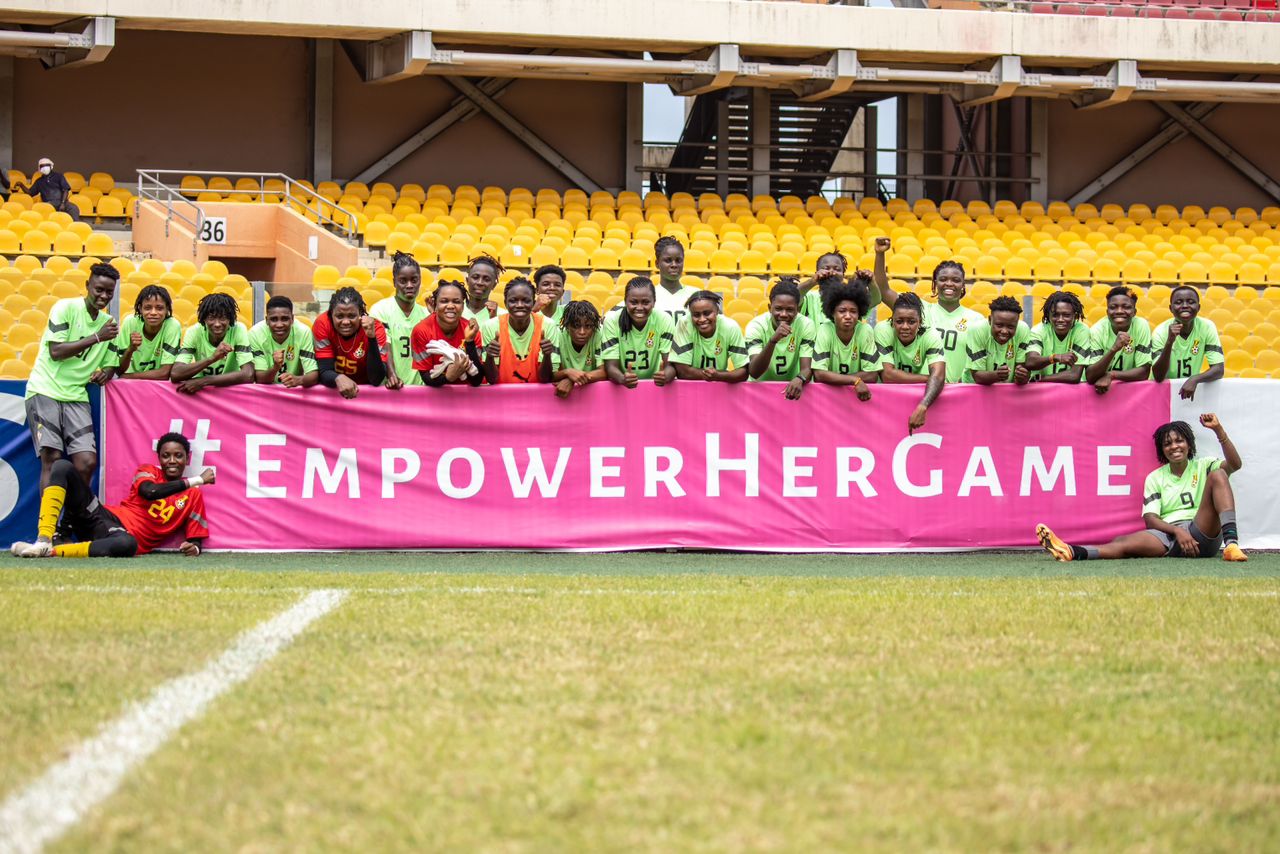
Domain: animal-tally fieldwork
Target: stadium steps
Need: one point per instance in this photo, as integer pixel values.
(804, 138)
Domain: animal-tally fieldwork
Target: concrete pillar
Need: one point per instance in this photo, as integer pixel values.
(870, 156)
(633, 180)
(911, 132)
(761, 135)
(1040, 149)
(322, 111)
(6, 115)
(722, 147)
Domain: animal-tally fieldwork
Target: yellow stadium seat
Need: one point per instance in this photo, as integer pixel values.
(102, 181)
(1254, 344)
(15, 369)
(109, 207)
(576, 257)
(22, 334)
(1237, 361)
(37, 241)
(100, 244)
(1268, 361)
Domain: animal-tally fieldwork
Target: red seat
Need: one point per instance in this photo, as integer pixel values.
(1069, 9)
(1151, 12)
(1177, 14)
(1258, 16)
(1043, 9)
(1097, 11)
(1230, 15)
(1238, 4)
(1123, 12)
(1205, 15)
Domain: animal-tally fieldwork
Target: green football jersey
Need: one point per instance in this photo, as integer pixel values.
(154, 352)
(641, 350)
(1174, 498)
(914, 358)
(66, 380)
(1045, 342)
(723, 351)
(299, 349)
(566, 356)
(482, 315)
(860, 354)
(787, 353)
(196, 347)
(953, 329)
(399, 327)
(987, 355)
(1136, 355)
(1189, 352)
(811, 307)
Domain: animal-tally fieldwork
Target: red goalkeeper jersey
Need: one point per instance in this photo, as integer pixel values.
(350, 355)
(151, 522)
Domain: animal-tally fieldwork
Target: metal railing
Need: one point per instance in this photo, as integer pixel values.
(152, 189)
(283, 190)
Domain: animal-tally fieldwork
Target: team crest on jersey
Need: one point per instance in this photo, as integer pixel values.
(1195, 347)
(916, 361)
(1008, 351)
(962, 324)
(359, 354)
(181, 502)
(288, 353)
(719, 347)
(649, 340)
(1128, 348)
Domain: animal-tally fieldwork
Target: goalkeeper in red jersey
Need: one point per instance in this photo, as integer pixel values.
(160, 502)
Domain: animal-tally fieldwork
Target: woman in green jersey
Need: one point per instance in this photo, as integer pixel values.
(1061, 346)
(998, 353)
(707, 345)
(150, 337)
(215, 352)
(1185, 343)
(575, 359)
(846, 351)
(1188, 505)
(910, 352)
(636, 340)
(1121, 343)
(780, 341)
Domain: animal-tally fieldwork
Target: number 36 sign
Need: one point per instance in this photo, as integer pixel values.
(214, 230)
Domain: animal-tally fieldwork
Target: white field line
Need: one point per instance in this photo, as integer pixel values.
(40, 813)
(475, 590)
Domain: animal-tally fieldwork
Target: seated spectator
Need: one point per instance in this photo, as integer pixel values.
(53, 189)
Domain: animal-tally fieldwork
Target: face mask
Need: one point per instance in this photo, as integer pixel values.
(46, 169)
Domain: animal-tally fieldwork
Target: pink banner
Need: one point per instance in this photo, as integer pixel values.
(693, 465)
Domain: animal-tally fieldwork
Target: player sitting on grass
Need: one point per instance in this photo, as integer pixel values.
(444, 346)
(215, 352)
(707, 345)
(351, 346)
(515, 348)
(1062, 345)
(635, 341)
(549, 280)
(575, 357)
(284, 352)
(1121, 343)
(911, 352)
(780, 341)
(1183, 343)
(998, 351)
(1188, 505)
(845, 352)
(159, 503)
(953, 323)
(150, 337)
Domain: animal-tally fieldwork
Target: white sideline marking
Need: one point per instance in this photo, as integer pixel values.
(38, 814)
(865, 591)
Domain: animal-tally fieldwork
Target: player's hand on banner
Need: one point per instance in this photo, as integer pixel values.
(1188, 391)
(862, 390)
(191, 386)
(1103, 384)
(347, 387)
(916, 421)
(288, 380)
(393, 383)
(189, 549)
(100, 377)
(1021, 375)
(794, 388)
(564, 387)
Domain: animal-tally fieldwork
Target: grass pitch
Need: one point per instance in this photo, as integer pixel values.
(667, 701)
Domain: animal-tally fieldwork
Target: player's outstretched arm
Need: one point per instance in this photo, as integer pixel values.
(1231, 460)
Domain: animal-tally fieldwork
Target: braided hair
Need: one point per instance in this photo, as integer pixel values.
(908, 300)
(1069, 298)
(487, 259)
(625, 323)
(707, 295)
(784, 287)
(664, 242)
(579, 312)
(217, 305)
(1182, 429)
(404, 261)
(346, 296)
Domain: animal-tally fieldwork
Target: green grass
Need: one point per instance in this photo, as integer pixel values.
(669, 701)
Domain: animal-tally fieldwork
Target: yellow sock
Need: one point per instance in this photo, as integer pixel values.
(51, 502)
(72, 550)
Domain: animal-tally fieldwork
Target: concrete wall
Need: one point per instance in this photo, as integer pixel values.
(242, 103)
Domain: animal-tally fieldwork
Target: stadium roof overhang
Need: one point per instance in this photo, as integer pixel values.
(697, 45)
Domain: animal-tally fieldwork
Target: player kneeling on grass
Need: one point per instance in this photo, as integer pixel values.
(911, 352)
(846, 352)
(1188, 504)
(160, 502)
(284, 351)
(998, 350)
(575, 356)
(707, 345)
